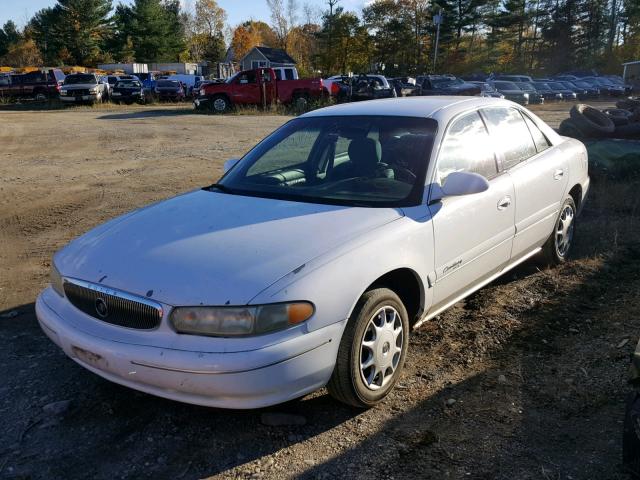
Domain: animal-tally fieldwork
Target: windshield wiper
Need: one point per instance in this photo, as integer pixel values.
(219, 186)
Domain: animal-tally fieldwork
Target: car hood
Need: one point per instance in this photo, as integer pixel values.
(212, 248)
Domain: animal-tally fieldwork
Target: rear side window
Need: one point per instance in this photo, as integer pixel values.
(288, 73)
(539, 139)
(510, 134)
(467, 148)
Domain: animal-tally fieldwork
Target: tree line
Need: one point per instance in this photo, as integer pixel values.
(396, 37)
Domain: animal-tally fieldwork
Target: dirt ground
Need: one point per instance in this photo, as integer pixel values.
(523, 380)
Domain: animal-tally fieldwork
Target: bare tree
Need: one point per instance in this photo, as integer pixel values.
(279, 20)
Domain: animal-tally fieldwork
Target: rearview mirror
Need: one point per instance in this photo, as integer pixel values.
(229, 164)
(464, 183)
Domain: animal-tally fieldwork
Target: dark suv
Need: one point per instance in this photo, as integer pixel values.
(39, 85)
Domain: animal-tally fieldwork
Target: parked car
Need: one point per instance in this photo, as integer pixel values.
(39, 85)
(309, 262)
(446, 85)
(128, 91)
(371, 87)
(535, 97)
(513, 78)
(403, 87)
(487, 90)
(567, 94)
(149, 81)
(171, 90)
(84, 88)
(257, 87)
(189, 81)
(582, 93)
(619, 81)
(546, 91)
(510, 91)
(606, 87)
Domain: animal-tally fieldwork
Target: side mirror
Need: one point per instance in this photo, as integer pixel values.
(229, 164)
(464, 183)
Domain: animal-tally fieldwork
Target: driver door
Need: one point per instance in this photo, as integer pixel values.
(473, 234)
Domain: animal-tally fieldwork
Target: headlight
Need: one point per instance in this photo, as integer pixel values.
(56, 280)
(240, 321)
(93, 90)
(63, 92)
(526, 95)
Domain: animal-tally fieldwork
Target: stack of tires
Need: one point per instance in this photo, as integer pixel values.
(586, 122)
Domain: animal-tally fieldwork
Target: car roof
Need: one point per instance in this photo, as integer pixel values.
(421, 107)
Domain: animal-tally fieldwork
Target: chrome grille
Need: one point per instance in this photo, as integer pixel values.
(113, 306)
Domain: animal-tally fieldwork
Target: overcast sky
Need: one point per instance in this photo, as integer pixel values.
(20, 11)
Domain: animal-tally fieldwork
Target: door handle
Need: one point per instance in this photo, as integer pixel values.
(557, 175)
(504, 203)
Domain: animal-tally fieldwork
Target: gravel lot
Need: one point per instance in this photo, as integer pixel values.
(523, 380)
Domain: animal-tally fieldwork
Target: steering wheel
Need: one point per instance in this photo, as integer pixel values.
(406, 171)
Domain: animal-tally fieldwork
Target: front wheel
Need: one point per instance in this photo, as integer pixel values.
(559, 244)
(372, 350)
(220, 104)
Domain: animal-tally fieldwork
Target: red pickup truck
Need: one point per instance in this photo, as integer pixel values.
(39, 84)
(257, 87)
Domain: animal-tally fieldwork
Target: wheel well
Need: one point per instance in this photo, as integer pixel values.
(576, 194)
(406, 284)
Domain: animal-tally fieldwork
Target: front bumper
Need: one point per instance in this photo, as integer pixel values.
(92, 97)
(246, 379)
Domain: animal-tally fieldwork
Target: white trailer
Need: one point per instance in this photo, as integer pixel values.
(128, 68)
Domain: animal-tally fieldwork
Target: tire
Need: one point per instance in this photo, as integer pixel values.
(220, 104)
(301, 103)
(569, 129)
(381, 321)
(631, 435)
(628, 103)
(590, 121)
(557, 248)
(631, 131)
(40, 96)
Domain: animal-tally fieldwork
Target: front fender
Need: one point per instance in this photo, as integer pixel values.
(336, 280)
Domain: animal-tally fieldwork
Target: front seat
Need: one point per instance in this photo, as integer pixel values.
(364, 154)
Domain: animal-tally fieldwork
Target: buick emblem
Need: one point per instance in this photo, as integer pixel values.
(101, 307)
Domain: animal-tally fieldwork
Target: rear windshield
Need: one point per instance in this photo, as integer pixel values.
(168, 83)
(75, 79)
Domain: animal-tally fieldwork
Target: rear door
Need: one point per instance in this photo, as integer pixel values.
(538, 170)
(473, 233)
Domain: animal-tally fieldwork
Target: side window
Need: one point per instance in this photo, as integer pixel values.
(539, 139)
(467, 148)
(510, 134)
(288, 72)
(247, 77)
(278, 74)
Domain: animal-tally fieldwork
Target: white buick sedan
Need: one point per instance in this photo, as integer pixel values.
(312, 258)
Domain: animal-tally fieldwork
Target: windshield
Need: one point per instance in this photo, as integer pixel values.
(128, 84)
(445, 82)
(582, 84)
(506, 86)
(541, 85)
(168, 84)
(76, 79)
(370, 161)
